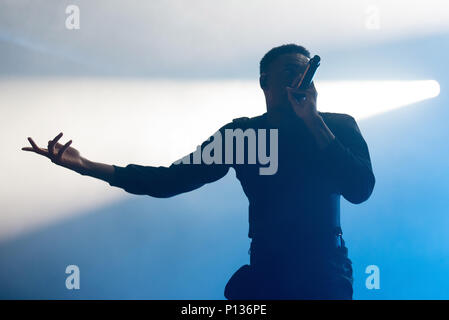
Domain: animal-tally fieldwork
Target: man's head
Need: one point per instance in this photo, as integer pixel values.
(278, 68)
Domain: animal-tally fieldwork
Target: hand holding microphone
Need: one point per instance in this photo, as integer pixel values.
(302, 94)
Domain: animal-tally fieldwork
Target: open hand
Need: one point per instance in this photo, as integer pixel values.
(62, 155)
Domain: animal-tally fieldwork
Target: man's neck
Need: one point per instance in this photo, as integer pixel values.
(279, 115)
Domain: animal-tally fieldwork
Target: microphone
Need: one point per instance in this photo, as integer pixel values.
(306, 78)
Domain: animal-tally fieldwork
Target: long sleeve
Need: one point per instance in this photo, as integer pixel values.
(164, 182)
(347, 162)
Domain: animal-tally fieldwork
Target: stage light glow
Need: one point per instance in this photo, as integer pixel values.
(363, 99)
(149, 122)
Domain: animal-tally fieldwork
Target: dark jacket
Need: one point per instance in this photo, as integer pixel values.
(292, 214)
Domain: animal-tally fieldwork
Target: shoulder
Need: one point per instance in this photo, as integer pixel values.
(245, 122)
(249, 120)
(240, 120)
(339, 121)
(337, 117)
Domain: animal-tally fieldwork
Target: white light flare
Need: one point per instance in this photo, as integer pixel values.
(363, 99)
(148, 122)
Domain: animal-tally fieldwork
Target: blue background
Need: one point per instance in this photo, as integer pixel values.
(187, 247)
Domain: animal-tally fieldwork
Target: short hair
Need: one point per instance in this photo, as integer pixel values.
(275, 52)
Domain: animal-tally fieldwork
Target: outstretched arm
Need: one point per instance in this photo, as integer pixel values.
(161, 182)
(164, 182)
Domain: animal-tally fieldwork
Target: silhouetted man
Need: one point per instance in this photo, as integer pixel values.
(297, 251)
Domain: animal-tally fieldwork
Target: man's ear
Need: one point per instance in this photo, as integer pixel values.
(263, 80)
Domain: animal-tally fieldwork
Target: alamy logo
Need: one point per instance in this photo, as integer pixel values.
(72, 22)
(373, 280)
(372, 19)
(73, 280)
(212, 152)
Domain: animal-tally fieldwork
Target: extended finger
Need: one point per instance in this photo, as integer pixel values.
(33, 144)
(63, 149)
(34, 150)
(35, 147)
(51, 143)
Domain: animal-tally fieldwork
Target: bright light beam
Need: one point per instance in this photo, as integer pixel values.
(363, 99)
(150, 122)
